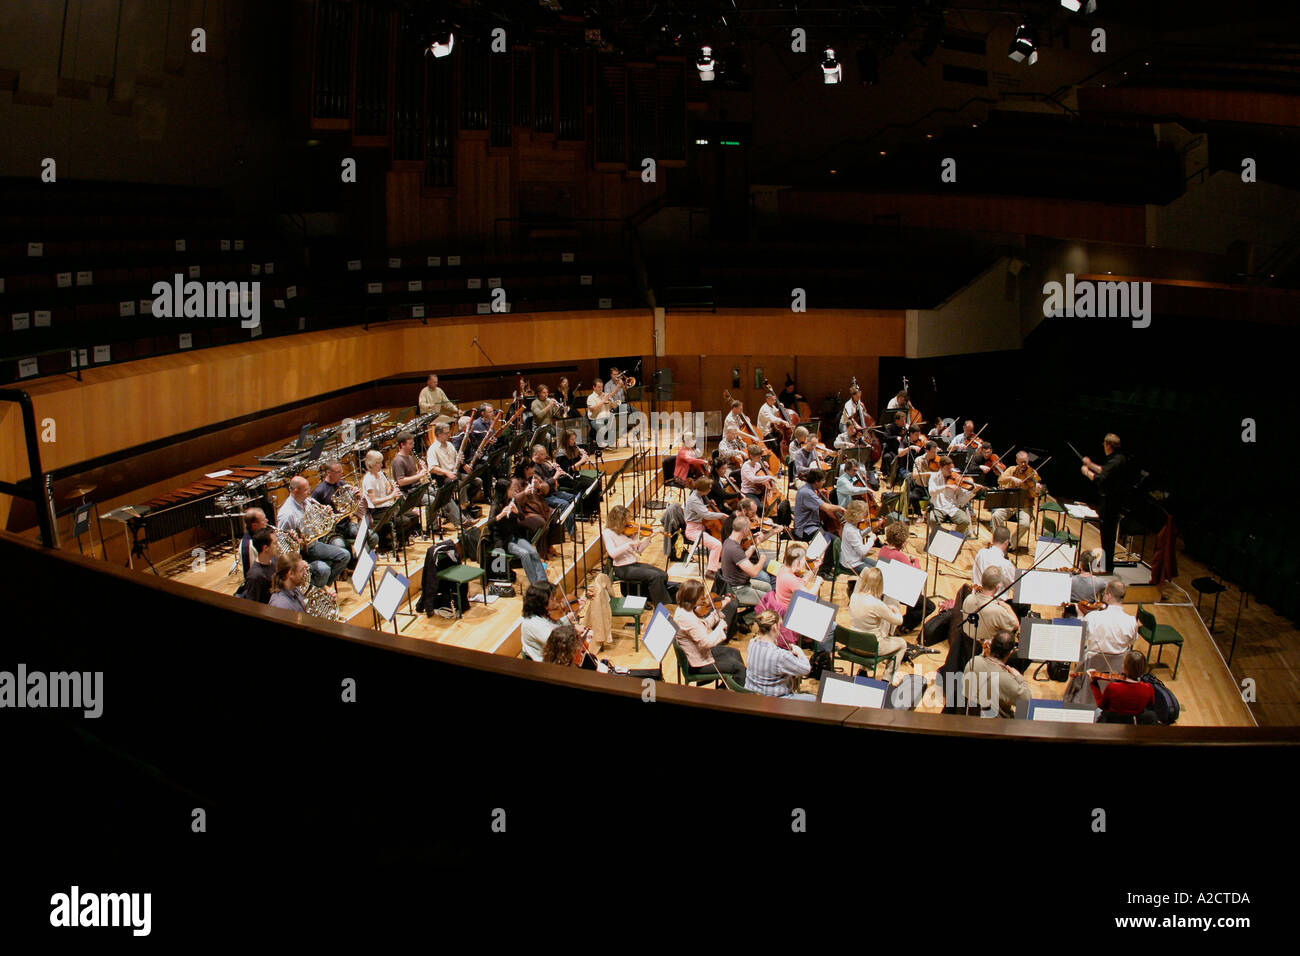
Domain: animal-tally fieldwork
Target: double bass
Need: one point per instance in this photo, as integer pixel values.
(860, 425)
(751, 436)
(786, 424)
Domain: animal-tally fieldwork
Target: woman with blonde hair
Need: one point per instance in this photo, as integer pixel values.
(773, 670)
(868, 612)
(853, 546)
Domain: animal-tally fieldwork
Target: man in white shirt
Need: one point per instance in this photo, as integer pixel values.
(853, 409)
(768, 414)
(898, 401)
(948, 502)
(736, 417)
(994, 556)
(1111, 631)
(442, 465)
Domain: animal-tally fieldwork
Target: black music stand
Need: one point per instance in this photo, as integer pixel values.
(446, 492)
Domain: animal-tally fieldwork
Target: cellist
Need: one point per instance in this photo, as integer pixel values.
(755, 479)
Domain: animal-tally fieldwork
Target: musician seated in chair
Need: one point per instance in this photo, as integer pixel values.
(409, 471)
(1023, 477)
(810, 506)
(257, 582)
(689, 465)
(803, 451)
(742, 565)
(732, 445)
(755, 479)
(697, 512)
(624, 551)
(1087, 585)
(345, 532)
(254, 521)
(328, 563)
(1125, 701)
(1012, 688)
(379, 492)
(549, 472)
(572, 458)
(854, 542)
(948, 502)
(701, 630)
(768, 417)
(442, 466)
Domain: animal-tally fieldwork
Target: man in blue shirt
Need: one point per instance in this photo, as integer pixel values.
(809, 507)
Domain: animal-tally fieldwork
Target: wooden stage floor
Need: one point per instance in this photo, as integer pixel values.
(1207, 691)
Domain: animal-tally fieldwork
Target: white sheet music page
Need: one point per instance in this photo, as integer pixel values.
(902, 582)
(365, 563)
(808, 617)
(853, 694)
(946, 545)
(1052, 555)
(1043, 587)
(389, 594)
(659, 633)
(1054, 642)
(1065, 715)
(817, 547)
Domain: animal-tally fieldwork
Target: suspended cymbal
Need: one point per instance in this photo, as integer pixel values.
(82, 491)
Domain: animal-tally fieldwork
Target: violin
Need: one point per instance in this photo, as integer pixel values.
(964, 482)
(1087, 607)
(705, 606)
(635, 529)
(560, 604)
(1099, 675)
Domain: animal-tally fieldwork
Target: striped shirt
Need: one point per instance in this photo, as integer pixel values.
(772, 671)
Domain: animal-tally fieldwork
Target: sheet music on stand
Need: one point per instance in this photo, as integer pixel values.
(902, 582)
(1059, 712)
(1051, 588)
(390, 593)
(1078, 510)
(365, 564)
(817, 547)
(1058, 639)
(810, 617)
(863, 692)
(363, 535)
(1050, 555)
(659, 633)
(945, 545)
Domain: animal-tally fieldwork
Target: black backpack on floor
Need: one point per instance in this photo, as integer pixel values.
(1164, 703)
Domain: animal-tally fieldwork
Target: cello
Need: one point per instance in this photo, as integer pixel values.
(786, 424)
(751, 436)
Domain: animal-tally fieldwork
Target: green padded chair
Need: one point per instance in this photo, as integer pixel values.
(732, 685)
(1158, 635)
(1047, 506)
(859, 648)
(689, 675)
(1051, 531)
(460, 574)
(839, 569)
(617, 609)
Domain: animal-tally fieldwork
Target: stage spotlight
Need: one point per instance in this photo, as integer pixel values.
(832, 70)
(706, 64)
(443, 41)
(1023, 47)
(1074, 6)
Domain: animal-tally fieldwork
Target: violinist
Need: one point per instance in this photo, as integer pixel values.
(966, 441)
(624, 543)
(1124, 701)
(755, 480)
(702, 628)
(994, 556)
(697, 512)
(1025, 478)
(537, 623)
(912, 449)
(689, 463)
(853, 436)
(1087, 585)
(851, 483)
(926, 466)
(742, 565)
(895, 549)
(856, 539)
(985, 466)
(895, 433)
(1013, 689)
(810, 506)
(949, 498)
